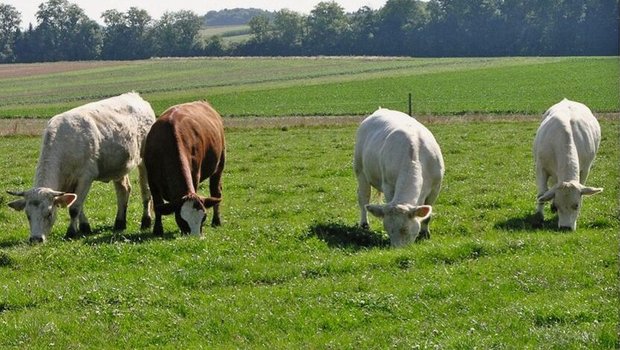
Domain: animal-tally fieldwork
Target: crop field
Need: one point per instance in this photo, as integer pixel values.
(320, 86)
(289, 267)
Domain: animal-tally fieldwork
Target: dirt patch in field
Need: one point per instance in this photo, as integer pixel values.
(30, 69)
(34, 127)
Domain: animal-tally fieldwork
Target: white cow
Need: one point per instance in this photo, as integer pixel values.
(398, 156)
(565, 146)
(97, 141)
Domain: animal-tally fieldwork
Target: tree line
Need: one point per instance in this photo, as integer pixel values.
(399, 28)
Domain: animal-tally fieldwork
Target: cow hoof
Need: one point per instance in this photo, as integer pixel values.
(36, 240)
(216, 223)
(146, 223)
(71, 233)
(120, 225)
(85, 229)
(365, 226)
(537, 220)
(424, 235)
(158, 231)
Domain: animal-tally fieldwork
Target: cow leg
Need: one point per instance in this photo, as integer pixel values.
(425, 231)
(146, 198)
(123, 189)
(215, 189)
(158, 228)
(78, 221)
(363, 198)
(541, 183)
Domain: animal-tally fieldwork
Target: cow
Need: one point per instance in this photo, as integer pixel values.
(185, 146)
(564, 148)
(100, 141)
(398, 156)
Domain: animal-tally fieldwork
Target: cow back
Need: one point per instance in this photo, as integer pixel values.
(185, 146)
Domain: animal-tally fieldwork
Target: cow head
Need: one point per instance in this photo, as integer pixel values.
(567, 200)
(190, 213)
(40, 205)
(402, 222)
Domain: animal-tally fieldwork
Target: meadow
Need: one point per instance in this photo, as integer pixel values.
(289, 268)
(319, 86)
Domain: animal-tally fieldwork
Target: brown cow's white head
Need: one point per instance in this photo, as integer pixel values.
(402, 222)
(40, 205)
(191, 213)
(567, 200)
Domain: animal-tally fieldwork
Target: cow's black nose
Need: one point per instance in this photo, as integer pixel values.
(36, 240)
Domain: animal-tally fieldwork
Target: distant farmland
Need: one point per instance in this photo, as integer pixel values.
(319, 86)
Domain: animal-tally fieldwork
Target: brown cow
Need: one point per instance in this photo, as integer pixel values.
(184, 147)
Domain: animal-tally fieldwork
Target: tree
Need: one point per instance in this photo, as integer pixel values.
(288, 27)
(176, 34)
(364, 27)
(399, 21)
(126, 35)
(65, 32)
(327, 24)
(260, 28)
(10, 20)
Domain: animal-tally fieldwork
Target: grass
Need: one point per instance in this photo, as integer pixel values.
(228, 33)
(327, 86)
(289, 268)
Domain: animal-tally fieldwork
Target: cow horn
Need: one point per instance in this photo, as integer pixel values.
(56, 193)
(19, 194)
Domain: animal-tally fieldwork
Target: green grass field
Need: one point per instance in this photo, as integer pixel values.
(289, 269)
(325, 86)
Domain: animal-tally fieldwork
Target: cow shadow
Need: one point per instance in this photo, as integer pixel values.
(107, 235)
(527, 222)
(339, 235)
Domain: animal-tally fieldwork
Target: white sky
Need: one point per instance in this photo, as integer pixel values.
(156, 8)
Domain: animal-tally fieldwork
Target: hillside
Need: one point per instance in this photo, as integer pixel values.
(233, 17)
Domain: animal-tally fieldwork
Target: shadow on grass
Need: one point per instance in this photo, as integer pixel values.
(339, 235)
(527, 222)
(10, 243)
(107, 235)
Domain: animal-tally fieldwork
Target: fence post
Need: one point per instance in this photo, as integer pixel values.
(410, 107)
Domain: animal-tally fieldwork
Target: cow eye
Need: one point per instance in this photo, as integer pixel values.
(576, 206)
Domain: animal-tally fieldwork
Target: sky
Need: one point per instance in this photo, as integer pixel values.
(156, 8)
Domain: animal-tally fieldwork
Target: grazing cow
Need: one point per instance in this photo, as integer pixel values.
(565, 146)
(398, 156)
(184, 147)
(97, 141)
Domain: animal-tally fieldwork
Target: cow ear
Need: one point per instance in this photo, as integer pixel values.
(376, 210)
(164, 209)
(210, 201)
(18, 204)
(65, 200)
(421, 212)
(588, 191)
(547, 196)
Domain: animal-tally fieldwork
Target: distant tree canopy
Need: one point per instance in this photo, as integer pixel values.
(399, 28)
(237, 16)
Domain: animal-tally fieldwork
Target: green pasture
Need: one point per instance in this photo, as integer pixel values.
(327, 86)
(228, 33)
(290, 270)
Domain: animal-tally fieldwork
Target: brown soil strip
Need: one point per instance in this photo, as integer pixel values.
(34, 127)
(22, 70)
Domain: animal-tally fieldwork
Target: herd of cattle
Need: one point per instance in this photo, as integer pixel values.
(394, 154)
